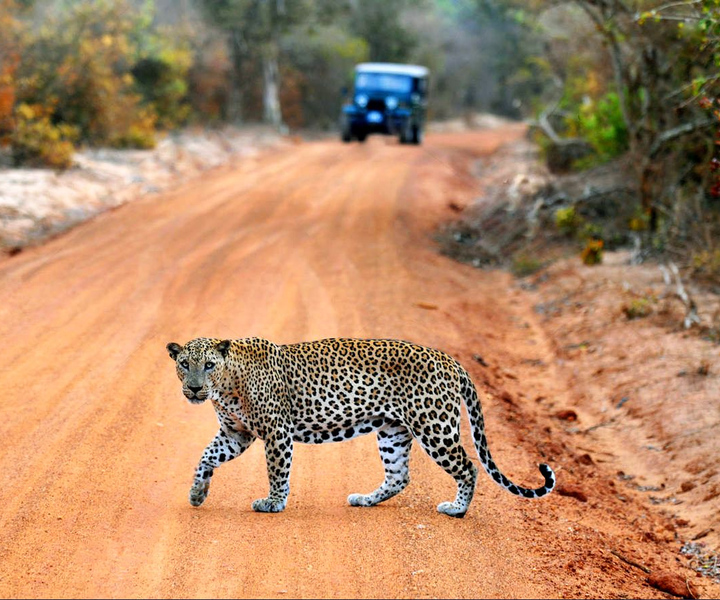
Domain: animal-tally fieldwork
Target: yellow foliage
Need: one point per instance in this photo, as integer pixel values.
(638, 224)
(593, 86)
(592, 253)
(81, 62)
(36, 142)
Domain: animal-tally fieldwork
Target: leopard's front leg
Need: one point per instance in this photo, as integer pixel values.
(226, 445)
(278, 454)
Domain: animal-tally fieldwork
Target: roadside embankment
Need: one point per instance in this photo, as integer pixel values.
(37, 204)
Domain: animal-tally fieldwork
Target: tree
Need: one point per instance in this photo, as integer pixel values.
(639, 92)
(379, 22)
(653, 63)
(254, 29)
(10, 53)
(318, 61)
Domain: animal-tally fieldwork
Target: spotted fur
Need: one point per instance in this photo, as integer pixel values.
(334, 390)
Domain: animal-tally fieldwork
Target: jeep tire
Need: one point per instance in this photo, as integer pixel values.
(406, 133)
(417, 135)
(346, 134)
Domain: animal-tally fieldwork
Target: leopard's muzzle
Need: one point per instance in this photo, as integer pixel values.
(196, 395)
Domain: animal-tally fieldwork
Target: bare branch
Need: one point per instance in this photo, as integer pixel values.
(679, 131)
(677, 18)
(544, 123)
(683, 89)
(669, 6)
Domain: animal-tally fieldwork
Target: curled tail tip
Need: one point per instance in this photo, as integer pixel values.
(550, 480)
(548, 487)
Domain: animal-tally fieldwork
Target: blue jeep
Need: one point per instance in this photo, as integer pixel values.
(387, 98)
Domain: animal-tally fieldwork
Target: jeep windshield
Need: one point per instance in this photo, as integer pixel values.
(384, 82)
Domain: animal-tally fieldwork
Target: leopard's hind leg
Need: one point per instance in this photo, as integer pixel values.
(451, 456)
(440, 438)
(394, 442)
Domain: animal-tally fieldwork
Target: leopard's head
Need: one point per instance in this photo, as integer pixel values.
(200, 365)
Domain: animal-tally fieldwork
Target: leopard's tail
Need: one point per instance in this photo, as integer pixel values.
(477, 424)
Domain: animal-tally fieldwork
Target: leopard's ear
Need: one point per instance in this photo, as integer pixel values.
(174, 349)
(223, 347)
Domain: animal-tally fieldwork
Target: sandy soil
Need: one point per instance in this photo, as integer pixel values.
(643, 390)
(321, 239)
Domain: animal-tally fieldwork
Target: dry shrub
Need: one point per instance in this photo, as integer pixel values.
(139, 133)
(524, 265)
(638, 308)
(706, 264)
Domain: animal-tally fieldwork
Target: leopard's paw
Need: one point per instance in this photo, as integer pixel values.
(360, 500)
(198, 492)
(452, 510)
(268, 505)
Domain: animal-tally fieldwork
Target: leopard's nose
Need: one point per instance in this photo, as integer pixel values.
(194, 389)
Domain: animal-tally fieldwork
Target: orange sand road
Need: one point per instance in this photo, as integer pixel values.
(319, 239)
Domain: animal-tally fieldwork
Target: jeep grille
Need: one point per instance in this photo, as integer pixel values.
(376, 104)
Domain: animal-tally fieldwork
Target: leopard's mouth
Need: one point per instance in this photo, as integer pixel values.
(195, 398)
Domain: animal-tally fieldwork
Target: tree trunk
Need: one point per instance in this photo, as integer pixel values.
(648, 190)
(236, 97)
(271, 87)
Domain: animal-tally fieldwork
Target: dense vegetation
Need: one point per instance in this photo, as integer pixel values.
(639, 80)
(114, 72)
(601, 79)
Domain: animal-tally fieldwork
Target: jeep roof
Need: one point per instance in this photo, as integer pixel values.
(392, 68)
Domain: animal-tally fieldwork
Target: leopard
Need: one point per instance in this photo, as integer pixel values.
(333, 390)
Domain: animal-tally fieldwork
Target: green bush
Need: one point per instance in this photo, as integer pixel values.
(161, 77)
(590, 231)
(601, 124)
(568, 221)
(594, 117)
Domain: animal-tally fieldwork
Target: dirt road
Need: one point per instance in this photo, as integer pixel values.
(322, 239)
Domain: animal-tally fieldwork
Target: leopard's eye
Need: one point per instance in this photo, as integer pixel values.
(184, 364)
(209, 366)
